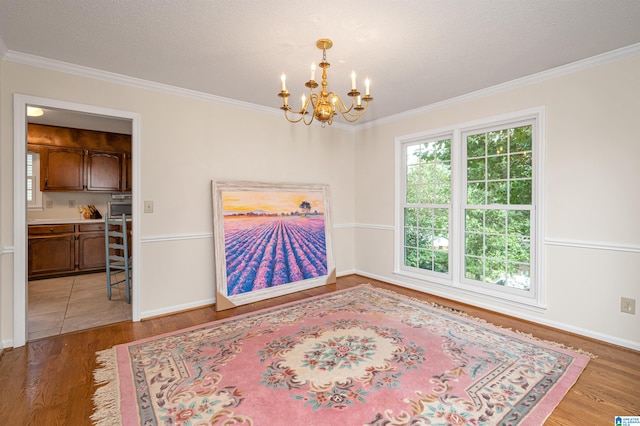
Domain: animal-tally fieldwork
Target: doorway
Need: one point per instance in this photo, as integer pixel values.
(70, 115)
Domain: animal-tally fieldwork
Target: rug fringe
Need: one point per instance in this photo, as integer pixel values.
(480, 320)
(556, 344)
(106, 399)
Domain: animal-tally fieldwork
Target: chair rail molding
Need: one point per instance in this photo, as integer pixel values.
(593, 245)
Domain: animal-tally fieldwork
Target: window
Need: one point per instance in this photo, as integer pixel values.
(427, 206)
(498, 206)
(468, 206)
(34, 196)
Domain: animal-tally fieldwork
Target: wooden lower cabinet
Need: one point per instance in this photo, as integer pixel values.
(52, 250)
(68, 249)
(91, 247)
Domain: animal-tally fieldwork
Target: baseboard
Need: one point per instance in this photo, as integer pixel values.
(171, 310)
(519, 315)
(175, 309)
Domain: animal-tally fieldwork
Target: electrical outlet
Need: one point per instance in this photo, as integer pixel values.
(628, 305)
(72, 204)
(148, 206)
(49, 204)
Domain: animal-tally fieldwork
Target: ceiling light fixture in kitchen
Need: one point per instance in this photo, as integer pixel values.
(34, 111)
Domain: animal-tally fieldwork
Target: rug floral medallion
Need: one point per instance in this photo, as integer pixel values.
(362, 356)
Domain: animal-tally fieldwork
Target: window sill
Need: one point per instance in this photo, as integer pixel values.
(443, 287)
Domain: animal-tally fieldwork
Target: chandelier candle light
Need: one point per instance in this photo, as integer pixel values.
(325, 104)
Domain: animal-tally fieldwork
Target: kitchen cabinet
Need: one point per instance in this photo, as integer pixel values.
(104, 171)
(72, 169)
(52, 250)
(61, 169)
(66, 249)
(126, 172)
(91, 246)
(76, 160)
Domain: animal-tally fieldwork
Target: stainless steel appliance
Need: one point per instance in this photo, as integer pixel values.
(120, 204)
(117, 208)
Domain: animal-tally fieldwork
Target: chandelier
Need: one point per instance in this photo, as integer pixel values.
(324, 104)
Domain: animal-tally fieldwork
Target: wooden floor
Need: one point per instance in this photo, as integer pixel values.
(49, 381)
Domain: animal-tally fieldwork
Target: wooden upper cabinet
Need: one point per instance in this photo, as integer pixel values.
(70, 169)
(81, 160)
(127, 176)
(61, 169)
(104, 171)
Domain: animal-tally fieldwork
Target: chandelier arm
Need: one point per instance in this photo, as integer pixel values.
(293, 112)
(359, 110)
(340, 105)
(347, 113)
(310, 119)
(353, 117)
(313, 100)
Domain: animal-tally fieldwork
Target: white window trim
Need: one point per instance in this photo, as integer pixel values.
(36, 204)
(536, 298)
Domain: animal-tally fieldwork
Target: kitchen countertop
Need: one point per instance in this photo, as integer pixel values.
(61, 221)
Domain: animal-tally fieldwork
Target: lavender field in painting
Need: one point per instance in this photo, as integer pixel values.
(264, 251)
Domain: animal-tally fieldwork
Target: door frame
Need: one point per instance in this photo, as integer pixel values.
(20, 293)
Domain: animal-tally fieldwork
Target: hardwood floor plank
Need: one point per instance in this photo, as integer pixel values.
(50, 381)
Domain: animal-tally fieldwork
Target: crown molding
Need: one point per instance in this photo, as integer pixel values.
(82, 71)
(94, 73)
(562, 70)
(111, 77)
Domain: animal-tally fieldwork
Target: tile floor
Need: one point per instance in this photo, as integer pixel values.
(66, 304)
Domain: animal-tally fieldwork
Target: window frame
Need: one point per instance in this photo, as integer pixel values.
(534, 298)
(400, 266)
(35, 204)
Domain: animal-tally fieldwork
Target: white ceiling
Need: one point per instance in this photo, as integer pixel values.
(416, 52)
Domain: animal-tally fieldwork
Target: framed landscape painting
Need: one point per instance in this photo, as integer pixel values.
(270, 240)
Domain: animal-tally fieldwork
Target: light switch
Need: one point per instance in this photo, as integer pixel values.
(148, 206)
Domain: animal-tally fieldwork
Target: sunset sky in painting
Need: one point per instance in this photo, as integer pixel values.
(273, 202)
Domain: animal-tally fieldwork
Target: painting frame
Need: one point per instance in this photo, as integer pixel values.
(240, 206)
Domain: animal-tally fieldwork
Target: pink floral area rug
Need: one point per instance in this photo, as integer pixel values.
(362, 356)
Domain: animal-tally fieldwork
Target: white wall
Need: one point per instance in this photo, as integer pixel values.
(186, 142)
(592, 234)
(60, 202)
(591, 195)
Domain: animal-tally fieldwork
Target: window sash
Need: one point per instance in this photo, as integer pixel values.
(516, 261)
(426, 205)
(500, 159)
